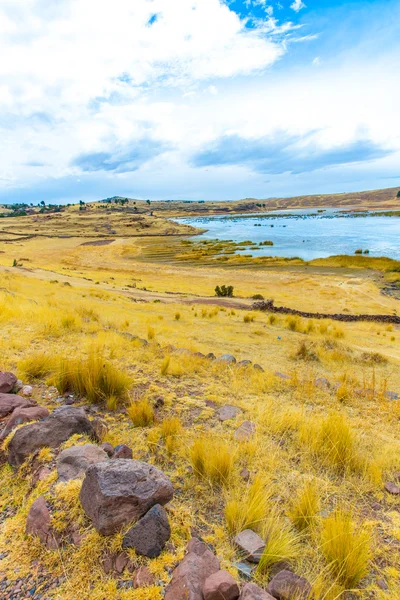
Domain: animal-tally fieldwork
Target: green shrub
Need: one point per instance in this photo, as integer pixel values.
(224, 291)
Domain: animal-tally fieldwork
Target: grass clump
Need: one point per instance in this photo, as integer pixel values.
(282, 543)
(36, 366)
(346, 548)
(141, 413)
(248, 318)
(165, 365)
(335, 443)
(212, 459)
(247, 509)
(304, 510)
(95, 378)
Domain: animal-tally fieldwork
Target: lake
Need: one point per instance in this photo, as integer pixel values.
(305, 233)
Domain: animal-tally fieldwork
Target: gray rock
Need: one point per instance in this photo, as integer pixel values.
(251, 591)
(245, 570)
(392, 488)
(23, 415)
(49, 433)
(250, 544)
(244, 363)
(287, 585)
(221, 585)
(122, 451)
(8, 382)
(150, 534)
(211, 356)
(227, 358)
(258, 367)
(190, 575)
(73, 462)
(116, 492)
(245, 431)
(27, 391)
(8, 402)
(227, 412)
(108, 448)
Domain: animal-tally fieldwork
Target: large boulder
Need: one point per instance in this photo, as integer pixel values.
(9, 402)
(23, 415)
(251, 591)
(221, 585)
(190, 575)
(51, 432)
(116, 492)
(250, 544)
(73, 462)
(287, 585)
(39, 523)
(8, 381)
(150, 534)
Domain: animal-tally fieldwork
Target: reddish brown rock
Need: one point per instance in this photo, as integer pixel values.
(251, 591)
(108, 448)
(143, 577)
(250, 544)
(9, 402)
(23, 415)
(228, 412)
(122, 451)
(115, 493)
(39, 523)
(121, 561)
(287, 585)
(221, 585)
(245, 431)
(73, 462)
(8, 382)
(392, 488)
(190, 575)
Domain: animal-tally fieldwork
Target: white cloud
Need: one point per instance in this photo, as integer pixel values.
(297, 5)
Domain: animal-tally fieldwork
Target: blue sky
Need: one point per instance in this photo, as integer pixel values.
(197, 99)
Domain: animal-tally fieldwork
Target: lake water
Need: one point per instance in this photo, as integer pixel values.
(306, 234)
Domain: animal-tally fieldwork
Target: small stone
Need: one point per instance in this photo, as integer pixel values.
(282, 376)
(227, 412)
(245, 431)
(227, 358)
(322, 383)
(251, 591)
(27, 390)
(245, 570)
(244, 363)
(258, 367)
(38, 523)
(286, 585)
(8, 382)
(211, 356)
(381, 583)
(250, 544)
(143, 577)
(221, 585)
(120, 562)
(149, 535)
(392, 488)
(122, 451)
(245, 474)
(159, 402)
(108, 449)
(107, 564)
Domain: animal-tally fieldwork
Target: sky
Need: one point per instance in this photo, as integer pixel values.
(197, 99)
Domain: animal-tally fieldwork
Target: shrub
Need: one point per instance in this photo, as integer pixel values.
(271, 319)
(141, 413)
(224, 291)
(94, 377)
(177, 316)
(248, 318)
(305, 506)
(358, 251)
(346, 548)
(212, 459)
(247, 509)
(36, 366)
(257, 297)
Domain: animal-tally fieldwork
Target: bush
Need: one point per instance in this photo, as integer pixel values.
(141, 413)
(248, 318)
(346, 548)
(257, 297)
(224, 291)
(358, 251)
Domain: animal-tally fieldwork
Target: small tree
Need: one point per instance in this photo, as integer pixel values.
(225, 291)
(398, 194)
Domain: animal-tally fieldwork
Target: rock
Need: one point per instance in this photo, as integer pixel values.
(39, 523)
(143, 577)
(9, 402)
(221, 585)
(282, 376)
(250, 544)
(227, 358)
(190, 575)
(286, 585)
(7, 382)
(117, 492)
(150, 534)
(251, 591)
(245, 570)
(100, 428)
(382, 584)
(211, 356)
(159, 402)
(244, 363)
(108, 448)
(227, 412)
(258, 367)
(122, 451)
(51, 432)
(107, 564)
(245, 431)
(27, 391)
(323, 383)
(121, 561)
(23, 415)
(199, 354)
(73, 462)
(392, 488)
(245, 474)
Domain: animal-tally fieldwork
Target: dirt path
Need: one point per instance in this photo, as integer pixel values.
(136, 294)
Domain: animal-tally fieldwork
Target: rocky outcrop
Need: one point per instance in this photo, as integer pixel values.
(51, 433)
(287, 585)
(9, 402)
(116, 492)
(189, 577)
(150, 534)
(8, 382)
(221, 585)
(73, 462)
(39, 523)
(23, 415)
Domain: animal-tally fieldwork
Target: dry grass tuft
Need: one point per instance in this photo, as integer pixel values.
(247, 509)
(212, 459)
(36, 366)
(282, 543)
(304, 510)
(141, 413)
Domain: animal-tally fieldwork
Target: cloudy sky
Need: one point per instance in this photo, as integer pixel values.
(197, 99)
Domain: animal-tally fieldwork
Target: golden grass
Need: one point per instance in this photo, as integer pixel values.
(247, 508)
(305, 507)
(141, 413)
(282, 543)
(36, 366)
(213, 459)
